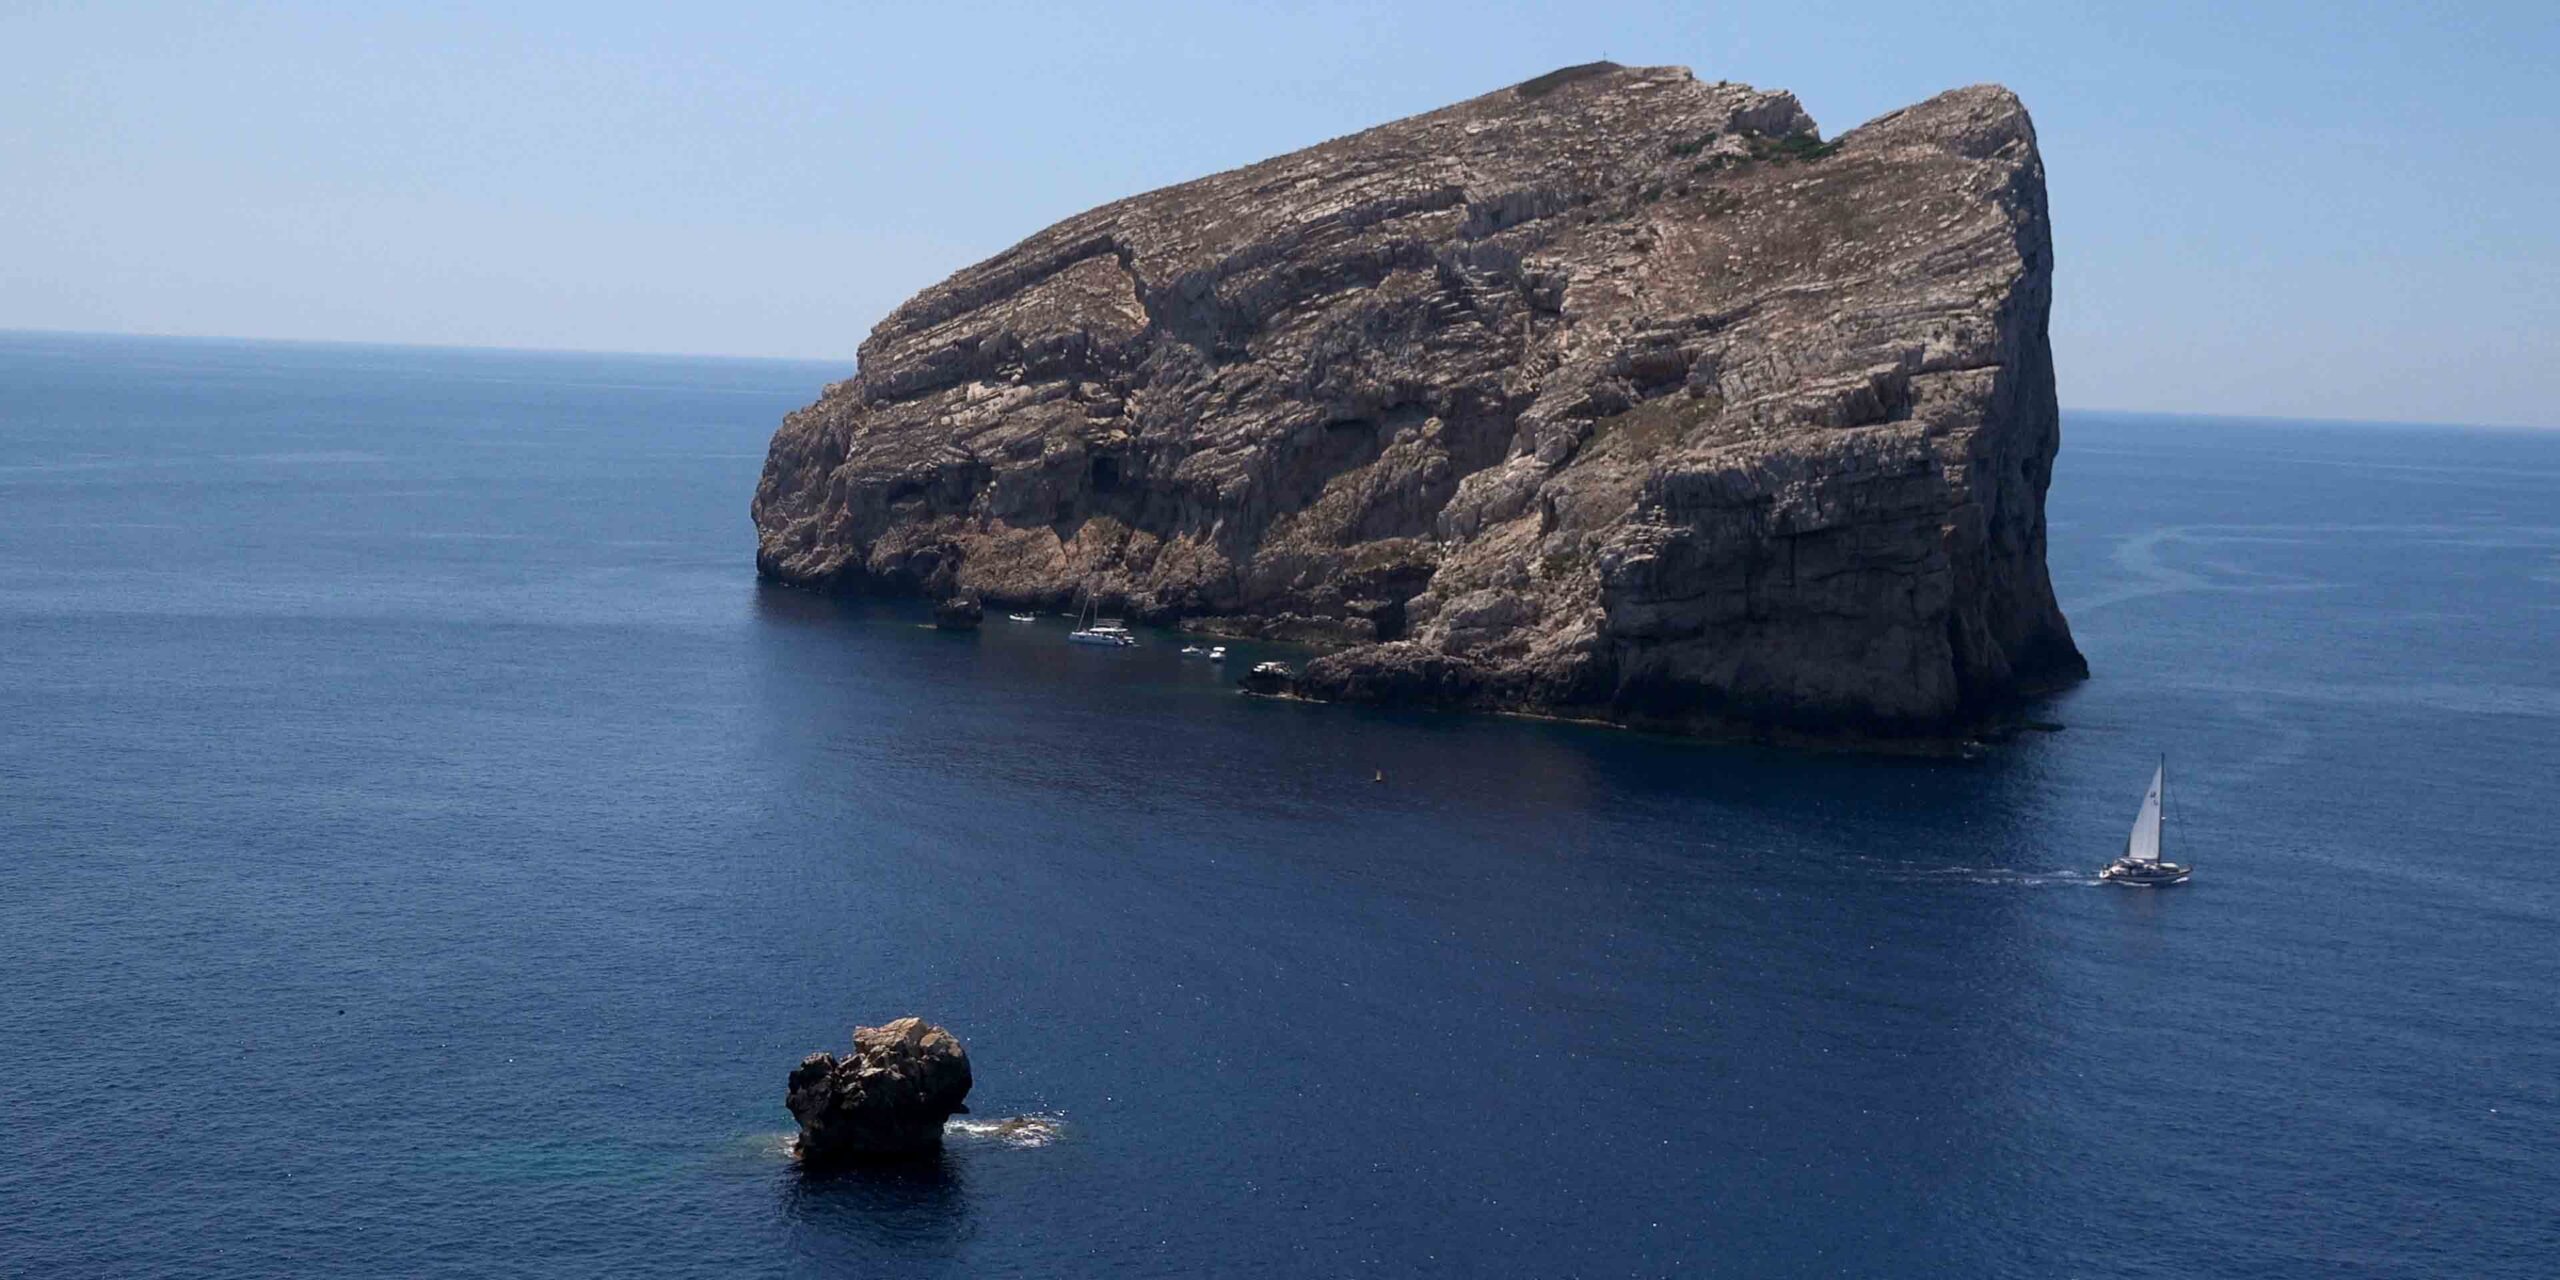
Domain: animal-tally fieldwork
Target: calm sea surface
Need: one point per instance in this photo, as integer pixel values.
(424, 849)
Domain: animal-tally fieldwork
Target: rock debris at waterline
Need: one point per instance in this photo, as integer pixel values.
(959, 613)
(888, 1098)
(1615, 395)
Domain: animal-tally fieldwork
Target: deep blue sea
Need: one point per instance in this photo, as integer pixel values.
(425, 848)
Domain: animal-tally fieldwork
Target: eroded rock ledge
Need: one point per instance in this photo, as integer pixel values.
(1614, 395)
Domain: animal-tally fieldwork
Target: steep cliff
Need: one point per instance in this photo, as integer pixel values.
(1612, 394)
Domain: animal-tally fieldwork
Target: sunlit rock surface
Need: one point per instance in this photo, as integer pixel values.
(888, 1098)
(1614, 394)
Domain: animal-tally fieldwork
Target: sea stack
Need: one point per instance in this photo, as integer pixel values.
(1614, 394)
(886, 1099)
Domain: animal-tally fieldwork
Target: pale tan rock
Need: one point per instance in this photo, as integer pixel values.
(1615, 394)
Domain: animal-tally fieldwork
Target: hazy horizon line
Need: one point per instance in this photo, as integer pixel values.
(851, 364)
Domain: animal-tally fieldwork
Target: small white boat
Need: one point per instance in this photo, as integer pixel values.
(1192, 651)
(2141, 866)
(1217, 653)
(1024, 617)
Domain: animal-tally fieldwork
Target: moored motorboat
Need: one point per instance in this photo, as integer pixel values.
(2141, 865)
(1217, 653)
(1270, 679)
(1023, 617)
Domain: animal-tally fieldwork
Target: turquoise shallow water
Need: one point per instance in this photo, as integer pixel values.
(427, 848)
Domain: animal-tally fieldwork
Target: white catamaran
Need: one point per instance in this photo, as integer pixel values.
(2142, 864)
(1091, 629)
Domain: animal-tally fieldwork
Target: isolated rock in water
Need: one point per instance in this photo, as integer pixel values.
(889, 1097)
(1613, 394)
(959, 613)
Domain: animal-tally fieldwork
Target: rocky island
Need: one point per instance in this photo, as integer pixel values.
(1614, 395)
(887, 1099)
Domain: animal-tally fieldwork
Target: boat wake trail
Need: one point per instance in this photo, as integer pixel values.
(2144, 562)
(2011, 876)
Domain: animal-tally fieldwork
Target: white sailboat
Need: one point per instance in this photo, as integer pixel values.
(1092, 630)
(2141, 865)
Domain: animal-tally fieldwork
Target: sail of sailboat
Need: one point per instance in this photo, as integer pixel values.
(2142, 863)
(2143, 845)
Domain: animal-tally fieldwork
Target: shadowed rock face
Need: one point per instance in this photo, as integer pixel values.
(888, 1098)
(1613, 394)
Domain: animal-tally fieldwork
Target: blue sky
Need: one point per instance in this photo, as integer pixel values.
(2332, 210)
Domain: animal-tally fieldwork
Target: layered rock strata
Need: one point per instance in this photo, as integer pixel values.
(1614, 394)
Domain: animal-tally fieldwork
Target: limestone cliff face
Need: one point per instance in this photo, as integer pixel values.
(1613, 394)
